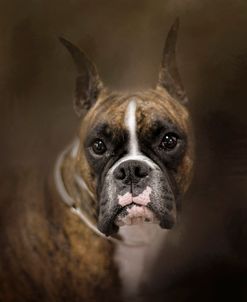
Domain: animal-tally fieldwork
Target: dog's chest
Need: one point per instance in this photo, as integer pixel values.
(135, 263)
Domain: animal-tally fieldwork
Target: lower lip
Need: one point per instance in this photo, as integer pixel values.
(136, 215)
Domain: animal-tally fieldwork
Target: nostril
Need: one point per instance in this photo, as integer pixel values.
(131, 171)
(140, 173)
(121, 174)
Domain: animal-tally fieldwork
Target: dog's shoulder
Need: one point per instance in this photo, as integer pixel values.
(46, 251)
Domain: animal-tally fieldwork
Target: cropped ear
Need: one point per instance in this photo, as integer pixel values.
(169, 77)
(88, 83)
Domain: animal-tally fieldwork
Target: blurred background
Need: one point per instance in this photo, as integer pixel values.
(205, 257)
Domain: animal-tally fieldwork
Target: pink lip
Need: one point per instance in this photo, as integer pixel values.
(136, 215)
(142, 199)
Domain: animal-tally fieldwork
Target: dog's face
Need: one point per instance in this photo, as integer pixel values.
(136, 149)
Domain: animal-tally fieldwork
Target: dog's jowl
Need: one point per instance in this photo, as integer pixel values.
(119, 184)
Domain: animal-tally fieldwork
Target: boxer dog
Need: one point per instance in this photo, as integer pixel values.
(115, 192)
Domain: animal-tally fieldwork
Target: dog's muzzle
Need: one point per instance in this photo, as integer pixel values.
(136, 191)
(131, 171)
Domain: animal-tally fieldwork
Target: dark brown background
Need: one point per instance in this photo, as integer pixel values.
(206, 255)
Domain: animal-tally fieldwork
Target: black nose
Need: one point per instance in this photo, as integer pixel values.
(131, 171)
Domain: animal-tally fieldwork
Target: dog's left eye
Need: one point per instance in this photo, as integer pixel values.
(169, 141)
(98, 147)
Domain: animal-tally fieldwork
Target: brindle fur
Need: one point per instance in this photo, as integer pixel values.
(47, 253)
(111, 109)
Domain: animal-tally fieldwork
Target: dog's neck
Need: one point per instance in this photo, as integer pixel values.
(70, 185)
(143, 241)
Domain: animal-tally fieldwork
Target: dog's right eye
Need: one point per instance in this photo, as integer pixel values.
(169, 141)
(98, 147)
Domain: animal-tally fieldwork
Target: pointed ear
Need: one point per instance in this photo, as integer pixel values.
(169, 77)
(88, 83)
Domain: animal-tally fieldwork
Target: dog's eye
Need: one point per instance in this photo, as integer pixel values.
(169, 141)
(98, 147)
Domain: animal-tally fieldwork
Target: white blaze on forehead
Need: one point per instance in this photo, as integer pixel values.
(130, 123)
(134, 152)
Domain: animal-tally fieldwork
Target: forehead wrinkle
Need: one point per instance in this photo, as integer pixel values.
(176, 111)
(108, 110)
(155, 103)
(114, 111)
(112, 106)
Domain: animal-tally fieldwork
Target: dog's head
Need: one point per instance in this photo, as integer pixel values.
(135, 149)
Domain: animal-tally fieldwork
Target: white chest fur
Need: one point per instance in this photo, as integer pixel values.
(134, 263)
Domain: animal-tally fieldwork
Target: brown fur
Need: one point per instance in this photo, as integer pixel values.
(47, 253)
(111, 108)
